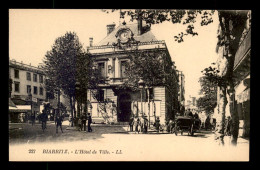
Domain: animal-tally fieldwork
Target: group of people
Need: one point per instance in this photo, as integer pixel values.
(82, 121)
(43, 118)
(138, 124)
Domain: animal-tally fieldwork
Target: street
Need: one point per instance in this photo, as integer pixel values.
(115, 143)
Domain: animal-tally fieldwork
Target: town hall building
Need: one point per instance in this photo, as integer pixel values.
(110, 56)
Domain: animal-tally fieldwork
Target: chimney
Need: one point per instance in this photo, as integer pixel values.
(90, 41)
(110, 28)
(140, 26)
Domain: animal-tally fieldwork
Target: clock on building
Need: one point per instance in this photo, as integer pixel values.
(124, 35)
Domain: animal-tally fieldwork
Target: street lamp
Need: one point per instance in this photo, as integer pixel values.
(30, 97)
(141, 83)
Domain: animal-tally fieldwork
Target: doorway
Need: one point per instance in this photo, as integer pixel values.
(124, 107)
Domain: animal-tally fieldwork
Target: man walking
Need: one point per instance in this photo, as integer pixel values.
(44, 118)
(59, 123)
(33, 119)
(131, 123)
(89, 122)
(83, 121)
(157, 124)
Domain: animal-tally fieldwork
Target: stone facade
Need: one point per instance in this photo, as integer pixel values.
(110, 55)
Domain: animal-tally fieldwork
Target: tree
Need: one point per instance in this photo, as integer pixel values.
(149, 69)
(232, 24)
(60, 65)
(209, 91)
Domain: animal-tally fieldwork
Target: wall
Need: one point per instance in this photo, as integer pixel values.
(24, 82)
(159, 95)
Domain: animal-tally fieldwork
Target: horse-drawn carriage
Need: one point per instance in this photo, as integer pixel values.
(186, 124)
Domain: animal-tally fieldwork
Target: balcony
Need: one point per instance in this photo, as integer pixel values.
(243, 49)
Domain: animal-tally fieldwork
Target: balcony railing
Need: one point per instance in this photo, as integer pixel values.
(140, 43)
(243, 49)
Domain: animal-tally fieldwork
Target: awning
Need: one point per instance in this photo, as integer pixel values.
(11, 103)
(20, 108)
(243, 96)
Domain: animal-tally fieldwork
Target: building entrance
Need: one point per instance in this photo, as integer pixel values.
(124, 107)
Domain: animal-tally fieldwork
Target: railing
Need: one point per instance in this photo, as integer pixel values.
(243, 49)
(140, 43)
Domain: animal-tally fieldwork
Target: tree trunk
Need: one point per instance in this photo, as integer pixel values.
(74, 103)
(148, 94)
(71, 111)
(78, 108)
(233, 113)
(86, 102)
(219, 131)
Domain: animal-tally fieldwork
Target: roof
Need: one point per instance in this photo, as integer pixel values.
(111, 38)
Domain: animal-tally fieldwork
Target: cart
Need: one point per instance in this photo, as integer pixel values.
(186, 124)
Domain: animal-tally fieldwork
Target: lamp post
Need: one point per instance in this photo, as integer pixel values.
(141, 83)
(30, 98)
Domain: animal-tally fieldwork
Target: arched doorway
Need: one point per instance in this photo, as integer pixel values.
(124, 107)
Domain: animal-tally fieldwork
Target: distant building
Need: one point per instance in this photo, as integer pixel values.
(110, 56)
(27, 79)
(191, 103)
(181, 94)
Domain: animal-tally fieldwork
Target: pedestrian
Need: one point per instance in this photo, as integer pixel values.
(44, 118)
(145, 124)
(171, 125)
(33, 119)
(131, 123)
(137, 124)
(83, 121)
(196, 116)
(207, 123)
(157, 124)
(228, 126)
(190, 113)
(59, 120)
(55, 119)
(80, 124)
(70, 120)
(89, 122)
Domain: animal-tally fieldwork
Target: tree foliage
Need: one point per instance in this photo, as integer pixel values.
(68, 66)
(156, 16)
(209, 91)
(153, 68)
(231, 26)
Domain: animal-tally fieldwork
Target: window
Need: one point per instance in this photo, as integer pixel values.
(101, 95)
(35, 90)
(16, 74)
(28, 75)
(28, 89)
(41, 78)
(41, 91)
(123, 68)
(16, 86)
(101, 68)
(35, 77)
(151, 95)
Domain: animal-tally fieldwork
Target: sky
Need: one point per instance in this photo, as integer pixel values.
(32, 32)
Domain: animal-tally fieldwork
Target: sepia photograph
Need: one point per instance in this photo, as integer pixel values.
(129, 85)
